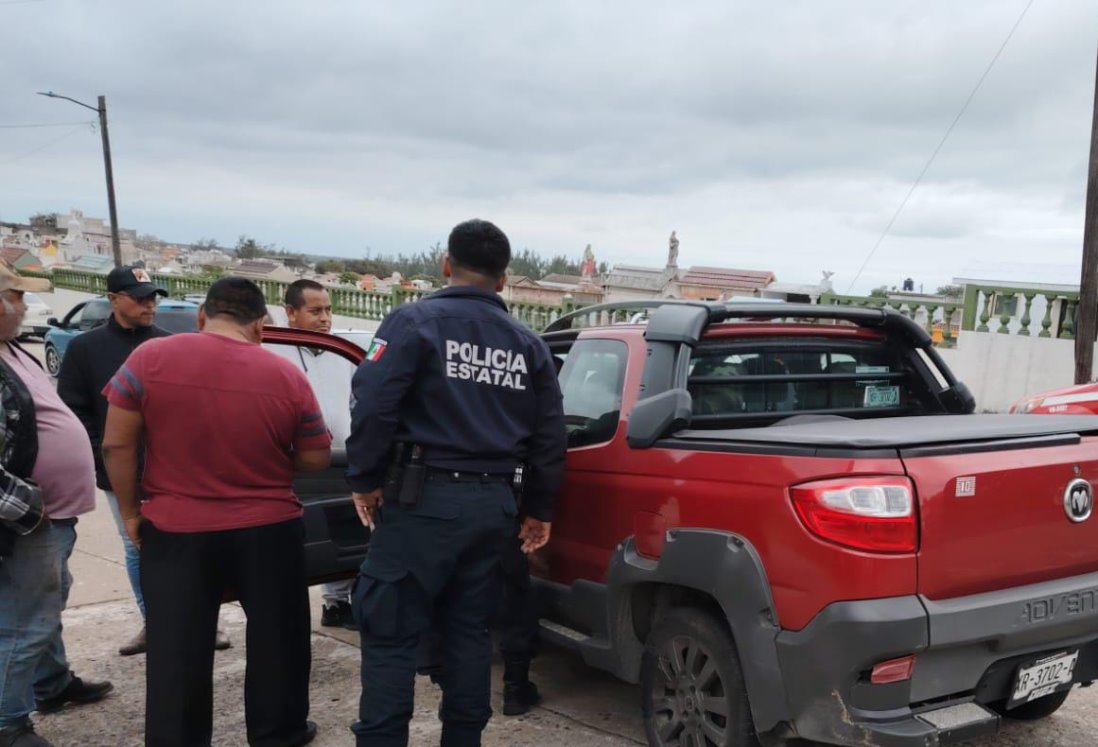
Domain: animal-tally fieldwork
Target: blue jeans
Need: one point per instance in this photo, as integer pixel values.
(34, 584)
(133, 556)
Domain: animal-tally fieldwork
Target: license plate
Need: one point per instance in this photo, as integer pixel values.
(882, 396)
(1043, 677)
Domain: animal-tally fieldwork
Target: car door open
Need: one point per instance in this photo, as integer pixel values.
(335, 539)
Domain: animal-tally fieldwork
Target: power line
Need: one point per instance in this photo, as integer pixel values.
(32, 151)
(941, 143)
(45, 124)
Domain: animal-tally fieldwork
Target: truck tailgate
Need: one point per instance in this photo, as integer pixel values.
(1006, 513)
(991, 489)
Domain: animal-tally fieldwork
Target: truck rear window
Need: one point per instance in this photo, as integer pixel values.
(757, 378)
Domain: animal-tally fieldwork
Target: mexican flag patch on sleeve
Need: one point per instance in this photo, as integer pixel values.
(377, 349)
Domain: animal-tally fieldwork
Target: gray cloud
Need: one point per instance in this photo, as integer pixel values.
(774, 135)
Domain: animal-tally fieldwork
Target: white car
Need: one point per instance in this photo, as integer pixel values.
(360, 337)
(36, 321)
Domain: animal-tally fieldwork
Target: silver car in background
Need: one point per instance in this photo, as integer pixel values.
(36, 321)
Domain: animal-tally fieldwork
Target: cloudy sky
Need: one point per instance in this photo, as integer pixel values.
(780, 135)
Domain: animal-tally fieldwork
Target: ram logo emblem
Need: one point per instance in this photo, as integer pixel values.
(1079, 500)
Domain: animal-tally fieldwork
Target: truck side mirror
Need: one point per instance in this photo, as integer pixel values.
(658, 416)
(52, 321)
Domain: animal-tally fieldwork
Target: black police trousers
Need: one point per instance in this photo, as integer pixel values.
(183, 578)
(517, 619)
(442, 560)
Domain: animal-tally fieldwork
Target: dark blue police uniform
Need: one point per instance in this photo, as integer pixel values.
(456, 375)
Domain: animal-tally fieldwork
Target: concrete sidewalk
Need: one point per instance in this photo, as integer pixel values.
(102, 614)
(583, 707)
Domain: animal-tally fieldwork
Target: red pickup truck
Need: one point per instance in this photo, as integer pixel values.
(785, 524)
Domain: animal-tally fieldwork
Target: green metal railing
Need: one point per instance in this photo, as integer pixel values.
(985, 308)
(1013, 310)
(350, 302)
(941, 319)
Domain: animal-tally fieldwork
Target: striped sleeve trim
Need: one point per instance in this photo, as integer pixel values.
(131, 377)
(127, 384)
(313, 432)
(311, 417)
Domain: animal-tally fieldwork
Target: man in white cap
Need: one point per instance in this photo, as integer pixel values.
(47, 480)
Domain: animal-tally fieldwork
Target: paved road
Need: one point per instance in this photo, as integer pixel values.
(583, 707)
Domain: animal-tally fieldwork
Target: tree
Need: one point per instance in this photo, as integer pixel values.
(527, 263)
(46, 222)
(248, 248)
(561, 265)
(148, 242)
(879, 292)
(205, 244)
(437, 254)
(349, 278)
(951, 291)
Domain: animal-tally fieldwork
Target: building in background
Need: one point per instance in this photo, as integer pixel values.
(264, 269)
(637, 283)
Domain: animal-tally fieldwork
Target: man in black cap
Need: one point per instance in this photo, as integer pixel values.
(89, 363)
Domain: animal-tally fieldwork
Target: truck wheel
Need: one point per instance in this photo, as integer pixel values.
(1034, 710)
(53, 360)
(692, 687)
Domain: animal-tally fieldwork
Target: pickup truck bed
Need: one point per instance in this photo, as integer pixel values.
(904, 432)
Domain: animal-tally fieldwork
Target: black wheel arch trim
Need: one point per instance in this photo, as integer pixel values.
(726, 568)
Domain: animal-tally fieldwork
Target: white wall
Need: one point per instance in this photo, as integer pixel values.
(1002, 369)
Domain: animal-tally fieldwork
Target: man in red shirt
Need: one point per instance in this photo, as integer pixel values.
(225, 426)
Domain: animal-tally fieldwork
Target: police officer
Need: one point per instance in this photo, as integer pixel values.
(453, 394)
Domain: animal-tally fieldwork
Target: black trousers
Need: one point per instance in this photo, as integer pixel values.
(517, 618)
(442, 555)
(184, 577)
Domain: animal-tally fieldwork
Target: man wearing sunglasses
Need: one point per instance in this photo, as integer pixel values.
(89, 363)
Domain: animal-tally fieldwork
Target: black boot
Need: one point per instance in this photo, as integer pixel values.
(519, 693)
(22, 735)
(77, 692)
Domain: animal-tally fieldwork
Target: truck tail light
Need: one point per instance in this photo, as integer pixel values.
(893, 670)
(875, 514)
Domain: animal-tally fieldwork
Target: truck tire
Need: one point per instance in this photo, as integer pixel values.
(1034, 710)
(692, 688)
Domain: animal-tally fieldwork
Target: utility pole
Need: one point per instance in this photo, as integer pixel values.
(116, 247)
(101, 110)
(1086, 326)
